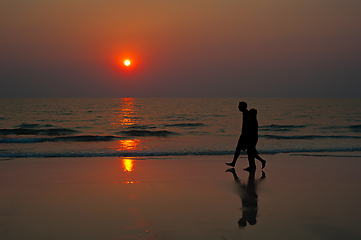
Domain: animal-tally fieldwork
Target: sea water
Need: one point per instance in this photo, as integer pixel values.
(136, 127)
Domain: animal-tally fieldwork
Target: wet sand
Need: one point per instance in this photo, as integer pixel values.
(191, 197)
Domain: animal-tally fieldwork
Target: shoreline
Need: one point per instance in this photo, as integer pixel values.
(185, 197)
(323, 153)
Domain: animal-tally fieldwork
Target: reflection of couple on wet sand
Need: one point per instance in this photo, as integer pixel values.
(249, 197)
(249, 138)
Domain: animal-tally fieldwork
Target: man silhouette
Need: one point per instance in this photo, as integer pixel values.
(242, 141)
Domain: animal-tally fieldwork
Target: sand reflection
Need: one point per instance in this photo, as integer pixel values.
(128, 166)
(248, 194)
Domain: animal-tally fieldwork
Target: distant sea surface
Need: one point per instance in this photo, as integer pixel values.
(135, 127)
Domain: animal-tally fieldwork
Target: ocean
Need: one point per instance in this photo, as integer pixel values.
(156, 127)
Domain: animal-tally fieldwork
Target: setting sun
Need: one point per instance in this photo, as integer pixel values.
(126, 62)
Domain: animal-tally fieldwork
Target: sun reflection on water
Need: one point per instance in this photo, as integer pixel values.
(126, 117)
(129, 144)
(128, 114)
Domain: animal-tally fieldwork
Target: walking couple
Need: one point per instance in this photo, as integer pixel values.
(249, 138)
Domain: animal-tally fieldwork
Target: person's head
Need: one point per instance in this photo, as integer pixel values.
(252, 113)
(242, 106)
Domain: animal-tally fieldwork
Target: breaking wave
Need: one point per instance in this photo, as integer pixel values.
(184, 125)
(31, 131)
(308, 137)
(355, 128)
(280, 128)
(147, 133)
(141, 127)
(165, 153)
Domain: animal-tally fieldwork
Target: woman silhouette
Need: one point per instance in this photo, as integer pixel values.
(252, 134)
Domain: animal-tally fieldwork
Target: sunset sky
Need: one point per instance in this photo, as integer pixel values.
(188, 48)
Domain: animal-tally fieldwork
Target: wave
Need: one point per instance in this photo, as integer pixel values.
(166, 153)
(308, 137)
(141, 127)
(146, 133)
(32, 125)
(355, 128)
(280, 128)
(352, 128)
(323, 155)
(84, 138)
(289, 128)
(32, 131)
(184, 125)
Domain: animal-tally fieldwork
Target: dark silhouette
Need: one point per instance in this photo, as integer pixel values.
(242, 141)
(252, 133)
(249, 197)
(249, 138)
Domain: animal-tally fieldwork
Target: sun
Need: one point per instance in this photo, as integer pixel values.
(126, 62)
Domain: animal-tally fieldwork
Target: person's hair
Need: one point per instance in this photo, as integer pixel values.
(242, 105)
(252, 112)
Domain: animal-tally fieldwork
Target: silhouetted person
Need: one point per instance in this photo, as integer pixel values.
(249, 198)
(249, 138)
(252, 134)
(242, 141)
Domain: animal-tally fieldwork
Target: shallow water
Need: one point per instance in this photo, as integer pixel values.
(173, 126)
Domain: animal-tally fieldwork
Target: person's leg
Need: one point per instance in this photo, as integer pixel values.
(258, 157)
(251, 162)
(255, 154)
(235, 157)
(240, 146)
(253, 151)
(261, 160)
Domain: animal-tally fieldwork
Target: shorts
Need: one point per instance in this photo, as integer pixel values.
(242, 143)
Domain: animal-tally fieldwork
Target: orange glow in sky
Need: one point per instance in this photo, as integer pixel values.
(126, 61)
(166, 49)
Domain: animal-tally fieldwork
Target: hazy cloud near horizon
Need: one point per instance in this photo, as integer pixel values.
(183, 48)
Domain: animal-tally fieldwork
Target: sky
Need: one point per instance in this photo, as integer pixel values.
(188, 48)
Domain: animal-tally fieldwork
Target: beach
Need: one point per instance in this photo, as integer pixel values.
(117, 119)
(185, 197)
